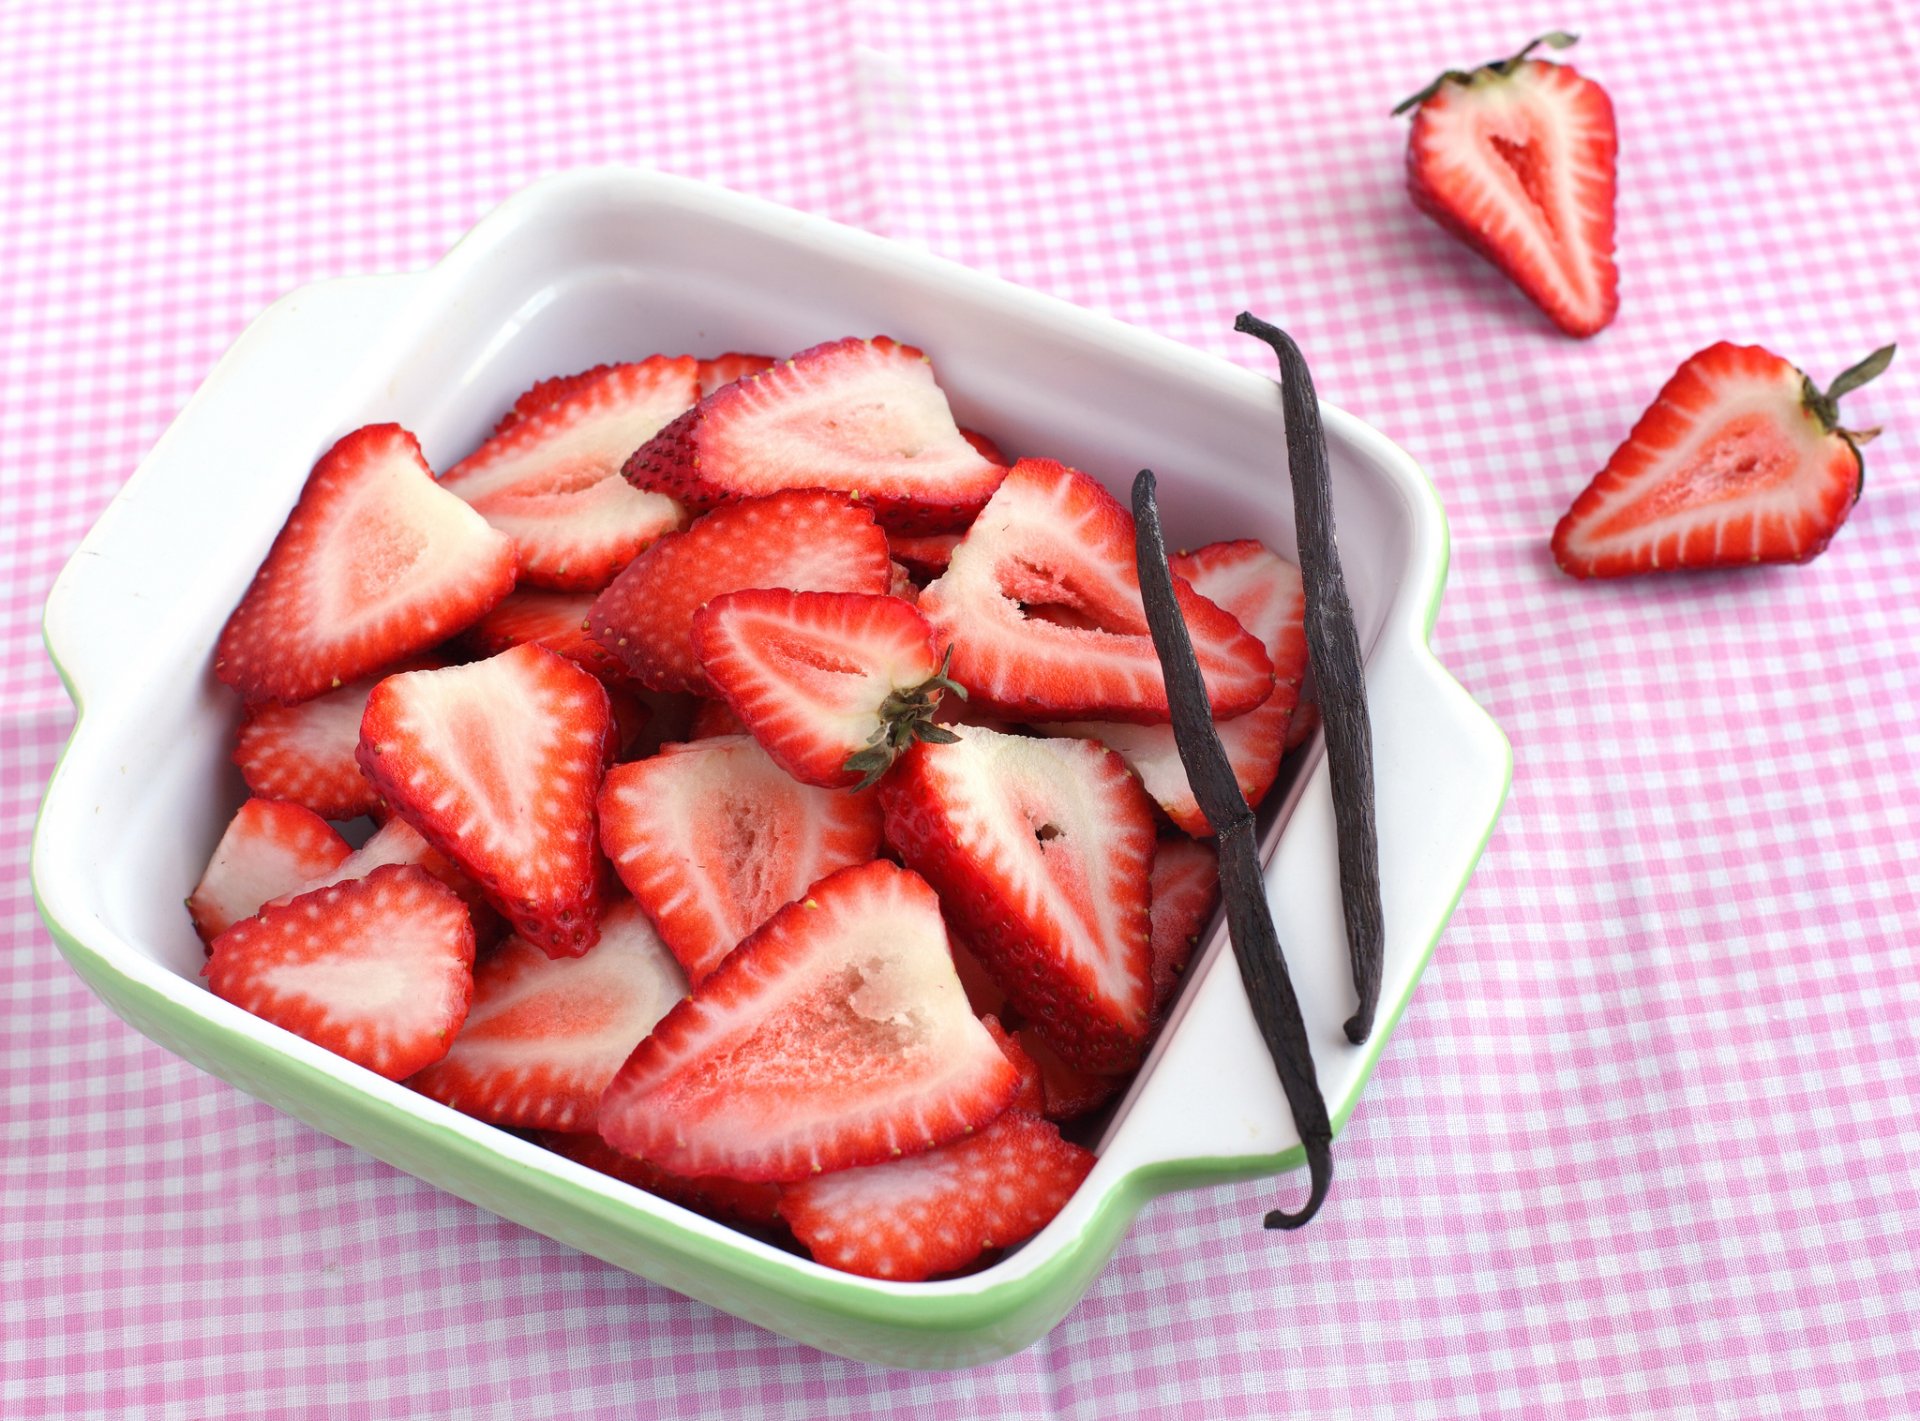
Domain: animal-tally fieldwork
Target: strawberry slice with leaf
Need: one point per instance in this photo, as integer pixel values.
(910, 1219)
(1516, 158)
(861, 416)
(1740, 460)
(805, 541)
(834, 685)
(835, 1036)
(711, 836)
(1263, 592)
(377, 969)
(1041, 601)
(376, 563)
(269, 848)
(544, 1035)
(549, 477)
(1041, 851)
(497, 764)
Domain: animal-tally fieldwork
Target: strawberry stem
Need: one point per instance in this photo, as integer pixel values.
(1256, 946)
(1553, 39)
(906, 716)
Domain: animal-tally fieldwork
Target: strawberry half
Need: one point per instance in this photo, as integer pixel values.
(304, 753)
(806, 541)
(544, 1035)
(725, 369)
(1186, 890)
(1740, 460)
(710, 837)
(378, 969)
(834, 685)
(912, 1218)
(1263, 592)
(1516, 158)
(497, 764)
(550, 478)
(861, 416)
(269, 848)
(376, 562)
(555, 620)
(836, 1035)
(1042, 603)
(731, 1201)
(1041, 851)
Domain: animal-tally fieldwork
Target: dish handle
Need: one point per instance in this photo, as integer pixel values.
(109, 613)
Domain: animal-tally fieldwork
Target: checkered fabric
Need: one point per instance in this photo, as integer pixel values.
(1645, 1144)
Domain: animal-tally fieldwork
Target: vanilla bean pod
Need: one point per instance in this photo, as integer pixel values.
(1333, 647)
(1276, 1010)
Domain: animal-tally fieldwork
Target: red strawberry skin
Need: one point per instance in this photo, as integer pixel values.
(549, 476)
(836, 1035)
(498, 764)
(1041, 851)
(861, 416)
(711, 837)
(1727, 468)
(1186, 890)
(545, 1035)
(1521, 168)
(1041, 601)
(725, 369)
(730, 1201)
(378, 969)
(376, 562)
(805, 541)
(398, 842)
(556, 620)
(269, 848)
(808, 673)
(910, 1219)
(1067, 1092)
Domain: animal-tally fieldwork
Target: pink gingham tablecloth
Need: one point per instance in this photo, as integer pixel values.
(1646, 1142)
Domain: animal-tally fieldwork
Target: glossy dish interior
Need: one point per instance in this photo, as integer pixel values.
(616, 264)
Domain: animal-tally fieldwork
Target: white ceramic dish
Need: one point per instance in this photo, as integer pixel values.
(615, 264)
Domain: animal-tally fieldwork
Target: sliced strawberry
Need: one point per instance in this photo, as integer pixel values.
(1041, 851)
(711, 837)
(1262, 591)
(1740, 460)
(1031, 1095)
(378, 970)
(376, 562)
(725, 369)
(544, 1035)
(1516, 158)
(912, 1218)
(398, 842)
(1067, 1092)
(900, 584)
(498, 763)
(803, 541)
(304, 753)
(986, 448)
(861, 416)
(268, 849)
(731, 1201)
(1186, 890)
(925, 556)
(555, 620)
(546, 394)
(711, 718)
(833, 684)
(1306, 720)
(983, 993)
(1042, 603)
(551, 481)
(836, 1035)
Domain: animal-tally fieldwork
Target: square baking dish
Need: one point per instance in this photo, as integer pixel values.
(612, 264)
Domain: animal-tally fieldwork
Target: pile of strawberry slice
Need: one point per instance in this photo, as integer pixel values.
(775, 802)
